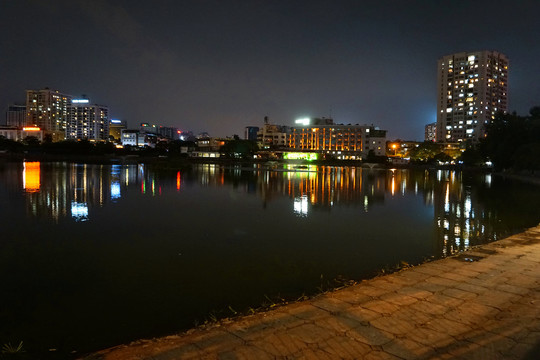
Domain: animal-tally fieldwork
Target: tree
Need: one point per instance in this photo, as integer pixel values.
(240, 148)
(425, 152)
(510, 141)
(472, 157)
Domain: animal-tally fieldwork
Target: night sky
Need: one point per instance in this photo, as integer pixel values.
(218, 66)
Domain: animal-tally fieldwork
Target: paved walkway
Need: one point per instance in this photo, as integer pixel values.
(482, 304)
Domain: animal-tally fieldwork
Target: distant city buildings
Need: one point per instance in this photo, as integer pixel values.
(17, 133)
(348, 142)
(132, 138)
(87, 121)
(48, 110)
(115, 129)
(472, 87)
(430, 133)
(250, 133)
(16, 115)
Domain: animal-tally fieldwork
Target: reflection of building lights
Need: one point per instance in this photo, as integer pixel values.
(301, 205)
(31, 176)
(115, 190)
(79, 211)
(366, 203)
(488, 180)
(178, 180)
(447, 198)
(467, 205)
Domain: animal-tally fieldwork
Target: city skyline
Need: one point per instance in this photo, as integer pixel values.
(221, 66)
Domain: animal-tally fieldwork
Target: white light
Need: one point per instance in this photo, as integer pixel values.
(79, 211)
(80, 101)
(304, 121)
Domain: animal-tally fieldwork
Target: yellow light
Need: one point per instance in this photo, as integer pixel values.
(31, 128)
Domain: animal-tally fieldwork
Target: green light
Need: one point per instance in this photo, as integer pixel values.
(300, 156)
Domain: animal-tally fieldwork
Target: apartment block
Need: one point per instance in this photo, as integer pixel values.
(472, 87)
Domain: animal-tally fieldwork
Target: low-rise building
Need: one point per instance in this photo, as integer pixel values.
(115, 129)
(272, 136)
(337, 140)
(210, 143)
(20, 133)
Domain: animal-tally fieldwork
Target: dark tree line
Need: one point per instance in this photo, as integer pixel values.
(512, 143)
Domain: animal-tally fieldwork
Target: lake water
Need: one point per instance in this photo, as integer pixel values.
(97, 255)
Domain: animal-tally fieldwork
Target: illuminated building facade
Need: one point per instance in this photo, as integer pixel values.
(16, 115)
(20, 133)
(472, 88)
(48, 110)
(115, 129)
(273, 136)
(430, 132)
(87, 121)
(132, 138)
(342, 141)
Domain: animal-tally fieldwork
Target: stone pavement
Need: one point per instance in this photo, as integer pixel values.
(482, 304)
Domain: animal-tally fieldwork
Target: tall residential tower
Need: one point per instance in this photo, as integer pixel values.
(47, 109)
(472, 88)
(87, 121)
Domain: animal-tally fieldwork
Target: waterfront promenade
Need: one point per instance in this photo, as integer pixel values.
(481, 304)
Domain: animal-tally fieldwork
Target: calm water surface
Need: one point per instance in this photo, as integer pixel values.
(96, 255)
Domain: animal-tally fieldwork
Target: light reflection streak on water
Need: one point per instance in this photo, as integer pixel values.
(79, 188)
(31, 176)
(447, 198)
(301, 205)
(79, 211)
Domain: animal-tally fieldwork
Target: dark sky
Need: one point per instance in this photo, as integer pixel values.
(218, 66)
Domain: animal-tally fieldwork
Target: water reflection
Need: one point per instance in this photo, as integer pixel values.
(31, 177)
(461, 218)
(58, 190)
(169, 247)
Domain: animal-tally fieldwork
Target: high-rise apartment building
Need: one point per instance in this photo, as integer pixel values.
(472, 87)
(87, 121)
(47, 109)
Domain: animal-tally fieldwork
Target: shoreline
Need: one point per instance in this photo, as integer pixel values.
(436, 309)
(170, 163)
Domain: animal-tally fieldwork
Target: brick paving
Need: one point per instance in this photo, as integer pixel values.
(453, 308)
